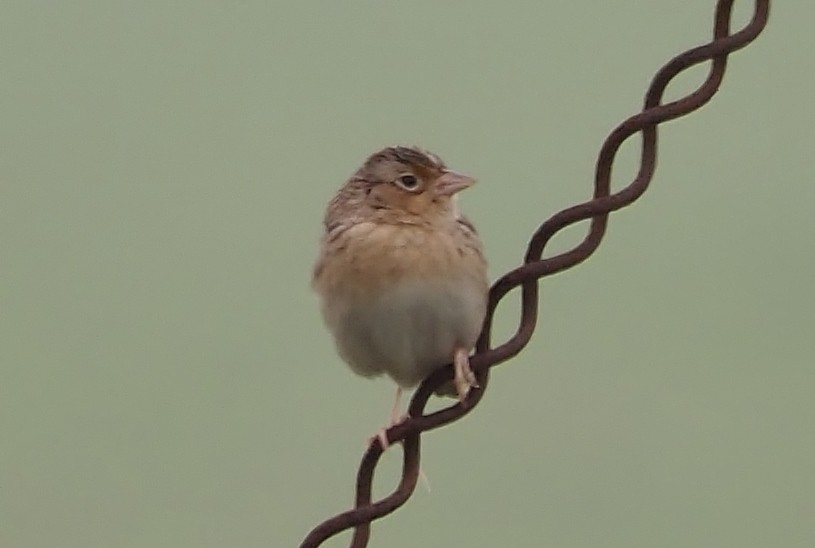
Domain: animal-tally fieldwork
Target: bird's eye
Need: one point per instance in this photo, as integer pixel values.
(408, 182)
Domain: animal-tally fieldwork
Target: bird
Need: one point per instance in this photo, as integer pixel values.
(401, 274)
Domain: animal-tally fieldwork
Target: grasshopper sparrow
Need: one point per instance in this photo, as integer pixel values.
(401, 274)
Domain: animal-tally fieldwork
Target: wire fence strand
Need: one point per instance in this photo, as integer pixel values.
(534, 267)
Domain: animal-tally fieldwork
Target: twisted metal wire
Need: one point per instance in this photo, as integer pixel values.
(535, 267)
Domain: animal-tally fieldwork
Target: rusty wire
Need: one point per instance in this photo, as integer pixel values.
(535, 267)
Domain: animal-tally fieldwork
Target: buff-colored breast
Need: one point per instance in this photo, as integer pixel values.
(399, 299)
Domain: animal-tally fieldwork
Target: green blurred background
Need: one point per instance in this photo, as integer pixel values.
(165, 379)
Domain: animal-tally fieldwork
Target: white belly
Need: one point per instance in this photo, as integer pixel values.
(408, 330)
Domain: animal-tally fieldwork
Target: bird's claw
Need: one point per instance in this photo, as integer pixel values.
(382, 434)
(464, 378)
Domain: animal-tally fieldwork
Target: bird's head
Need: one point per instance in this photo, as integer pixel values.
(411, 181)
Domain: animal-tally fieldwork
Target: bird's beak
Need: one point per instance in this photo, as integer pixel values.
(451, 182)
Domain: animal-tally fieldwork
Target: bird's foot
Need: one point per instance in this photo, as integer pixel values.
(382, 434)
(464, 378)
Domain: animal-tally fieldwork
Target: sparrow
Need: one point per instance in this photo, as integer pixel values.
(401, 274)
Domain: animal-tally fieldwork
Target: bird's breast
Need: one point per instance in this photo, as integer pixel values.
(401, 301)
(407, 329)
(369, 256)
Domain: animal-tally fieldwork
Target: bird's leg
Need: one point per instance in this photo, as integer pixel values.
(464, 378)
(396, 417)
